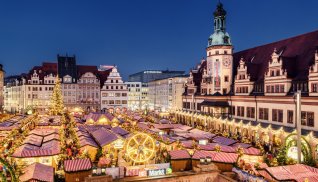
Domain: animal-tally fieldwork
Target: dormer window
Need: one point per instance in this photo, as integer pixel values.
(277, 73)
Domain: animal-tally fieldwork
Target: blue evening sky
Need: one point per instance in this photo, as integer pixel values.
(139, 34)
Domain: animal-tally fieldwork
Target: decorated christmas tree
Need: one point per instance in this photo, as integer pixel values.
(56, 104)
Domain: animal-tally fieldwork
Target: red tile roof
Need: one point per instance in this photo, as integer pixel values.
(39, 172)
(297, 54)
(77, 165)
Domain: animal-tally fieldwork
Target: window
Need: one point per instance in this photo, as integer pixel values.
(250, 112)
(290, 116)
(226, 78)
(225, 52)
(117, 94)
(240, 111)
(217, 52)
(277, 88)
(111, 102)
(307, 118)
(282, 88)
(124, 94)
(117, 101)
(314, 87)
(124, 101)
(263, 113)
(277, 115)
(224, 91)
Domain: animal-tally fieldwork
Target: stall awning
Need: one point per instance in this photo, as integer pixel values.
(215, 103)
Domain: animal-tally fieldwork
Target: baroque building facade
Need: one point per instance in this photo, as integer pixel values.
(114, 92)
(251, 92)
(81, 87)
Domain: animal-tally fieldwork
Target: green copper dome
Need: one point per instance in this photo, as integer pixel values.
(220, 36)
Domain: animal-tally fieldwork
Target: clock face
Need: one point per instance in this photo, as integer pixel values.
(227, 63)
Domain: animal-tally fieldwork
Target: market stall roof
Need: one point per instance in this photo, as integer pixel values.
(77, 165)
(216, 156)
(87, 141)
(93, 128)
(297, 172)
(179, 154)
(187, 144)
(203, 134)
(211, 147)
(184, 127)
(165, 121)
(243, 145)
(47, 149)
(143, 125)
(224, 141)
(44, 131)
(252, 151)
(120, 131)
(104, 137)
(38, 172)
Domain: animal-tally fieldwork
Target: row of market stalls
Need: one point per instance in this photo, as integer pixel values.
(270, 136)
(133, 144)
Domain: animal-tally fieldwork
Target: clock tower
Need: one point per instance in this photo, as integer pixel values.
(219, 55)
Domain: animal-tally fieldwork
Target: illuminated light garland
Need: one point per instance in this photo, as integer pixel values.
(56, 104)
(140, 148)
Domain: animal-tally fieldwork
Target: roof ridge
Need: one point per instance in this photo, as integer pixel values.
(281, 40)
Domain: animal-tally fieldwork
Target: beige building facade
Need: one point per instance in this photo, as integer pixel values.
(166, 94)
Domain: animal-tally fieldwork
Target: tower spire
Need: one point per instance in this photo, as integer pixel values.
(220, 36)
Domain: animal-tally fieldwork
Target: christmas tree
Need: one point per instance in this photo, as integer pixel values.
(56, 104)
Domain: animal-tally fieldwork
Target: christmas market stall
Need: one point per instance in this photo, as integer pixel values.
(297, 172)
(180, 160)
(37, 172)
(110, 143)
(224, 161)
(42, 145)
(101, 118)
(88, 146)
(49, 122)
(77, 170)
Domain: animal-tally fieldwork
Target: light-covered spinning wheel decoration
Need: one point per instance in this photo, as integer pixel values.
(140, 148)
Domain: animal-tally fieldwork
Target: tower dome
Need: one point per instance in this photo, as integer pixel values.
(220, 36)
